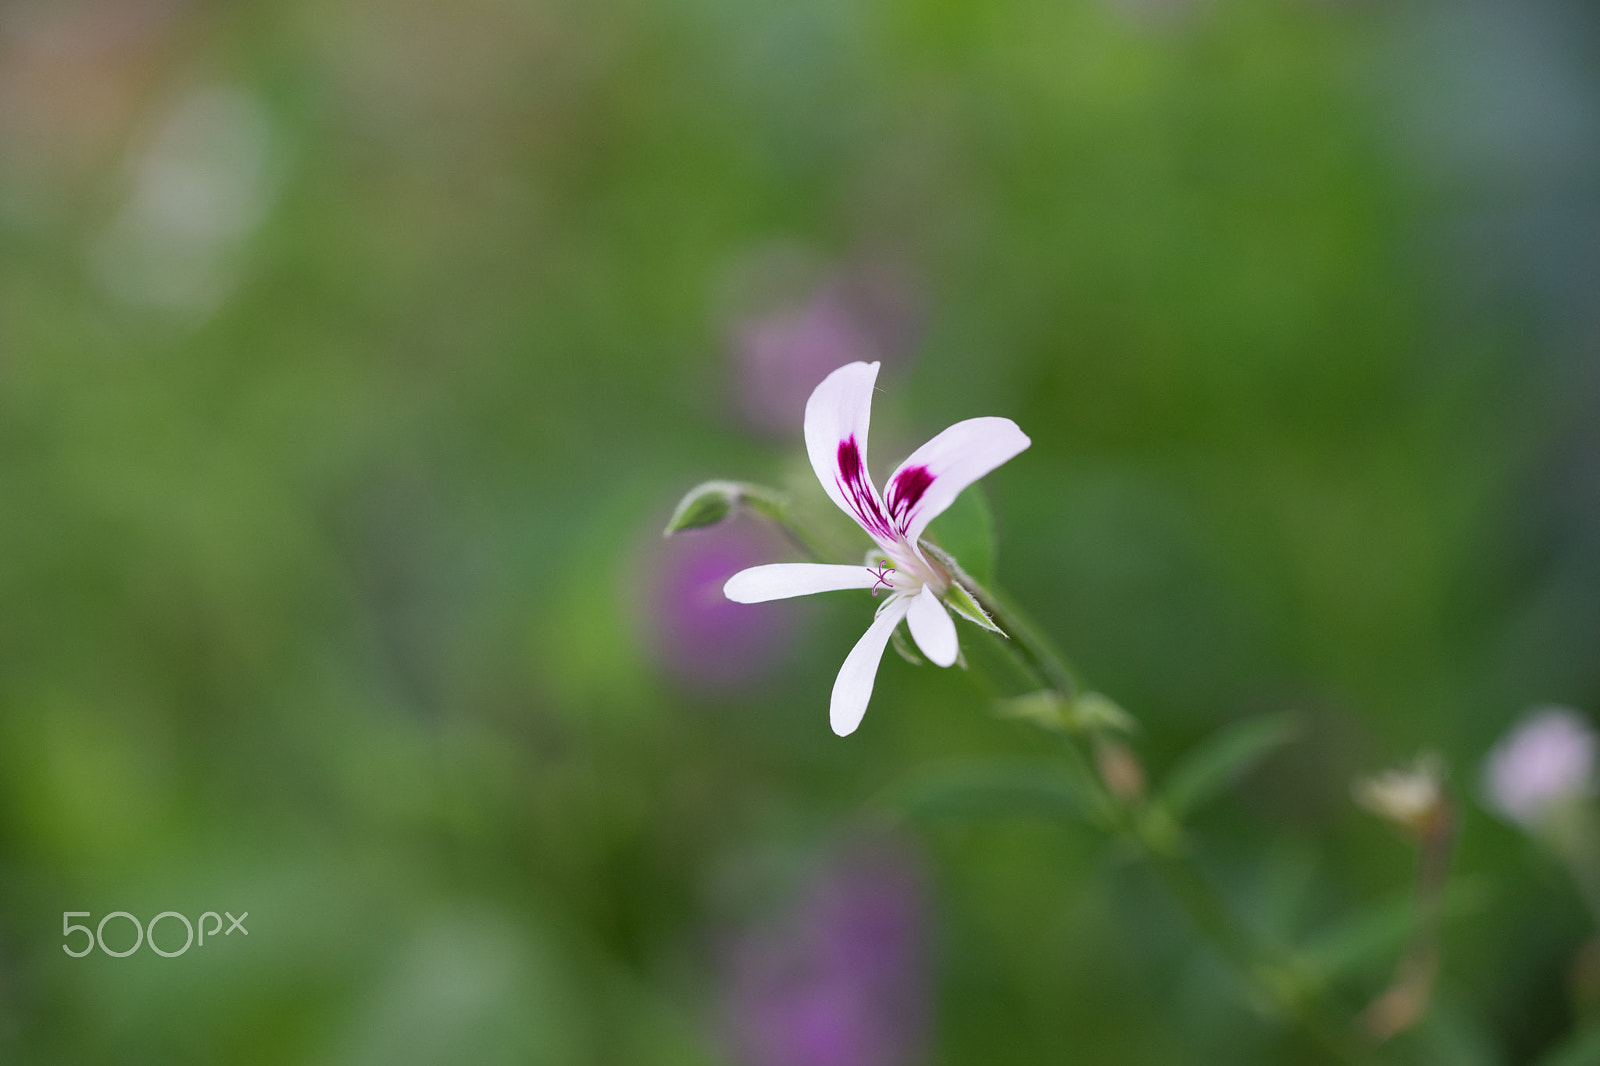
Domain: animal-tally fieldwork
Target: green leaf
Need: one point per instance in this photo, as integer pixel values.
(1455, 1033)
(986, 788)
(1225, 757)
(966, 531)
(1377, 934)
(1582, 1048)
(1094, 711)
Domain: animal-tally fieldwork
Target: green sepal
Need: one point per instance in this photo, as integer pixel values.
(1045, 708)
(964, 603)
(903, 646)
(956, 595)
(1089, 713)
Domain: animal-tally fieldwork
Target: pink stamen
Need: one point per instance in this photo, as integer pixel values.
(882, 574)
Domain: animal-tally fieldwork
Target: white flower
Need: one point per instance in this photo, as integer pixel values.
(1544, 763)
(1411, 796)
(918, 491)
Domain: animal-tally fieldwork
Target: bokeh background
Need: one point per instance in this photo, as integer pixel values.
(353, 353)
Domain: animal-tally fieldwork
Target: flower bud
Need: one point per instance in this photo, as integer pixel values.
(704, 505)
(1120, 769)
(712, 502)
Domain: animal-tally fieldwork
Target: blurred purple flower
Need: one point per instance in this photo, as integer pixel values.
(1544, 763)
(695, 632)
(782, 352)
(841, 979)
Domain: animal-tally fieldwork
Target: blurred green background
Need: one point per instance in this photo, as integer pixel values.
(352, 354)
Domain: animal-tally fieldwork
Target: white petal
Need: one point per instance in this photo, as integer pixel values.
(838, 415)
(932, 628)
(853, 687)
(931, 479)
(778, 581)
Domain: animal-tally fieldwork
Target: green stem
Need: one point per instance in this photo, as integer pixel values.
(1403, 1003)
(775, 507)
(1047, 664)
(798, 537)
(1271, 976)
(1269, 973)
(1574, 835)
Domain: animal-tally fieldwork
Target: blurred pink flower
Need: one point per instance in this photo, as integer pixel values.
(841, 979)
(1544, 763)
(785, 350)
(694, 631)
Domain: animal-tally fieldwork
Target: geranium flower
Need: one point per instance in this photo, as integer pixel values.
(918, 583)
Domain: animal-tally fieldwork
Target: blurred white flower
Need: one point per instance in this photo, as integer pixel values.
(918, 587)
(1411, 797)
(1543, 764)
(200, 189)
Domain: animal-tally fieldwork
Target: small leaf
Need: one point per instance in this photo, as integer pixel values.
(986, 788)
(966, 532)
(1227, 755)
(1094, 712)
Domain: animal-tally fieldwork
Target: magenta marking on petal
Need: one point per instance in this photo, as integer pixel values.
(908, 487)
(850, 460)
(853, 483)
